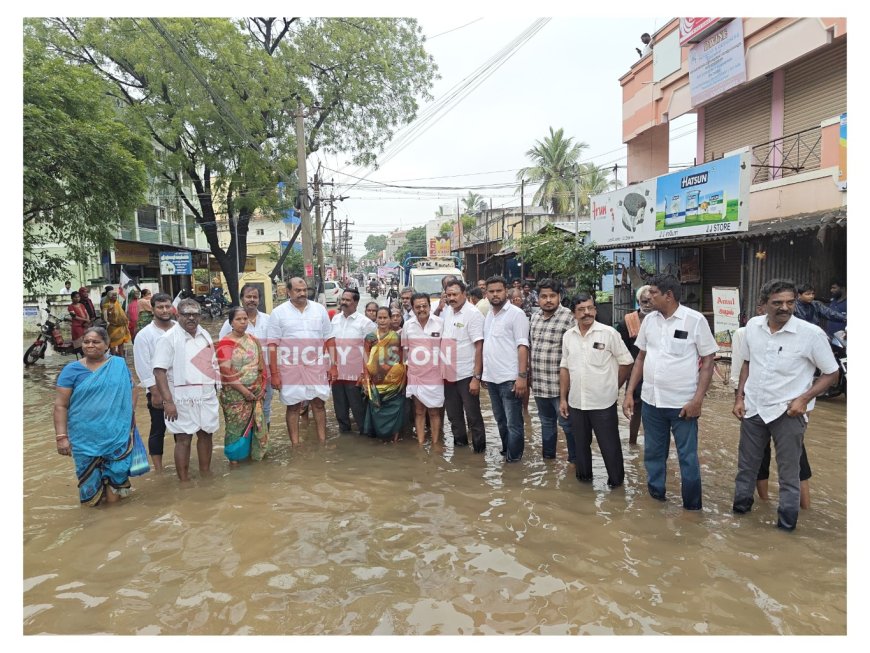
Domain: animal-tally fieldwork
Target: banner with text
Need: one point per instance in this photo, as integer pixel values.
(626, 215)
(717, 63)
(706, 199)
(726, 315)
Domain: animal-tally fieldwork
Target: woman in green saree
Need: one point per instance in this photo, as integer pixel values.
(384, 380)
(243, 376)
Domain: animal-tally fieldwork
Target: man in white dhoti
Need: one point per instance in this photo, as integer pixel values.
(298, 331)
(421, 340)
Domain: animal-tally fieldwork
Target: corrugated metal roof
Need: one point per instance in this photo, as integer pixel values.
(800, 223)
(585, 226)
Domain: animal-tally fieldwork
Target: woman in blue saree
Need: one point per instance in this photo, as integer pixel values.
(93, 417)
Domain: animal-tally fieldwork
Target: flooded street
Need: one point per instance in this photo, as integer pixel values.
(359, 537)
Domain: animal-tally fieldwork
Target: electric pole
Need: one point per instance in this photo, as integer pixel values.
(319, 235)
(304, 204)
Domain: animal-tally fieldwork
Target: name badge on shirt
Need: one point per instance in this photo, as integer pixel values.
(598, 345)
(436, 334)
(459, 325)
(681, 335)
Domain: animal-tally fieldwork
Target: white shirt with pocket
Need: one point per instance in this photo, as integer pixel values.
(465, 328)
(593, 361)
(503, 333)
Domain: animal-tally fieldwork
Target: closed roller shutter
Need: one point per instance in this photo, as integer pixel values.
(815, 89)
(737, 120)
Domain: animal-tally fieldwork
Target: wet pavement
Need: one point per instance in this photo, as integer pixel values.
(360, 537)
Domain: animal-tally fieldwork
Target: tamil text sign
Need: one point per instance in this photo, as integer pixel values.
(176, 263)
(717, 63)
(726, 315)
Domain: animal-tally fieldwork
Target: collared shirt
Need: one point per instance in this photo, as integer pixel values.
(466, 328)
(483, 306)
(426, 341)
(503, 332)
(190, 362)
(736, 356)
(311, 323)
(782, 364)
(349, 334)
(143, 353)
(838, 305)
(593, 361)
(545, 336)
(673, 346)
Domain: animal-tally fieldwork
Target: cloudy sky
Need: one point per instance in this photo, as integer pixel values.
(565, 75)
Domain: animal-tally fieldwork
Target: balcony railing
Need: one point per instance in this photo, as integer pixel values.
(787, 155)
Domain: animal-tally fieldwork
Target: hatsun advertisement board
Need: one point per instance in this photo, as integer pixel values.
(710, 198)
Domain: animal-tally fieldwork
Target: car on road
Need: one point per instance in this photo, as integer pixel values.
(332, 291)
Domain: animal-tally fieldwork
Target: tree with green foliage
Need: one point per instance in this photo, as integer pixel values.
(446, 228)
(594, 180)
(558, 254)
(415, 245)
(84, 168)
(376, 243)
(555, 162)
(474, 203)
(294, 265)
(219, 96)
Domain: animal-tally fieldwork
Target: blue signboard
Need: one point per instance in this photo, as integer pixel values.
(297, 246)
(176, 263)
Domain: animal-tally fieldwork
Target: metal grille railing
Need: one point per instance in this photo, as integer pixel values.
(788, 155)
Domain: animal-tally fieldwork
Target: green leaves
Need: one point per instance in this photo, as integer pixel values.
(555, 161)
(560, 255)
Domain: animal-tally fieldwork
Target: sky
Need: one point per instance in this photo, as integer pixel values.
(566, 76)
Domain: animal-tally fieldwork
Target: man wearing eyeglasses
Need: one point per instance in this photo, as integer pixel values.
(187, 376)
(628, 329)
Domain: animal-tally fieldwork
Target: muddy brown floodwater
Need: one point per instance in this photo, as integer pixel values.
(359, 537)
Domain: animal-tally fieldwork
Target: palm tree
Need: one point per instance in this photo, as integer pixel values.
(555, 159)
(593, 181)
(474, 203)
(440, 212)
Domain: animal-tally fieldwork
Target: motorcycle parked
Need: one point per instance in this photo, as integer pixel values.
(49, 334)
(373, 290)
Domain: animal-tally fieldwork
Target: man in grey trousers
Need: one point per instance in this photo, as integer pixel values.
(774, 394)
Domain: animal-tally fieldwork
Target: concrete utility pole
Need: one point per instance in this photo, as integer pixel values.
(304, 206)
(576, 205)
(321, 295)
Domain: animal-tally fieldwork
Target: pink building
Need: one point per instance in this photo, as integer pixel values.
(780, 92)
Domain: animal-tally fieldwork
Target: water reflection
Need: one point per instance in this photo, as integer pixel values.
(360, 537)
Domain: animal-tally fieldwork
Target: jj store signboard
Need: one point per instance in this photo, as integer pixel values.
(712, 198)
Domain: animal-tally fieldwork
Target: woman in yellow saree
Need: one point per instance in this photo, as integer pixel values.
(384, 380)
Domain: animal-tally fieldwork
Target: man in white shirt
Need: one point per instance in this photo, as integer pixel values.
(67, 289)
(483, 305)
(258, 326)
(405, 298)
(298, 331)
(463, 331)
(671, 340)
(187, 377)
(774, 394)
(595, 364)
(506, 366)
(143, 357)
(421, 341)
(346, 351)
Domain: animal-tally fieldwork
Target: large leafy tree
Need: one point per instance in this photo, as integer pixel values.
(374, 244)
(84, 168)
(554, 164)
(415, 245)
(474, 203)
(220, 98)
(561, 255)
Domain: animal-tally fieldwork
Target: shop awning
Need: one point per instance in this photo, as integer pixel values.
(795, 224)
(507, 252)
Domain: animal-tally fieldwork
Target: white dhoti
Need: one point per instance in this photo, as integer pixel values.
(431, 396)
(294, 393)
(200, 414)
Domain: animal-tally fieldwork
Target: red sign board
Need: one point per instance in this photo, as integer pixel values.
(693, 30)
(309, 270)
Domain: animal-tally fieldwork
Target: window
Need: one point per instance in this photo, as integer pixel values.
(261, 232)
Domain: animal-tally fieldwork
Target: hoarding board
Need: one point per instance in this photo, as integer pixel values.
(626, 215)
(717, 63)
(726, 315)
(176, 263)
(706, 199)
(691, 29)
(841, 179)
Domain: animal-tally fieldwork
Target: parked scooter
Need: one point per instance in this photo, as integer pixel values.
(838, 346)
(49, 334)
(373, 290)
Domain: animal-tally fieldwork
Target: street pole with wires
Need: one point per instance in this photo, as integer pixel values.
(576, 204)
(321, 296)
(304, 206)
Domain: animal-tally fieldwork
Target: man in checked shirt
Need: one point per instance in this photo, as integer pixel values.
(546, 330)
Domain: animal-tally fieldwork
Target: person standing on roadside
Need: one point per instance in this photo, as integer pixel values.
(346, 348)
(187, 376)
(483, 305)
(421, 340)
(671, 340)
(628, 328)
(143, 357)
(298, 331)
(463, 330)
(838, 304)
(595, 363)
(506, 366)
(405, 298)
(258, 326)
(775, 392)
(545, 337)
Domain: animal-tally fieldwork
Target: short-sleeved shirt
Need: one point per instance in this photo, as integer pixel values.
(673, 346)
(503, 332)
(782, 364)
(190, 363)
(593, 361)
(465, 327)
(545, 337)
(349, 334)
(300, 337)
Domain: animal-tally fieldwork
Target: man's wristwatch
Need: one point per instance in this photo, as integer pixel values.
(476, 376)
(522, 375)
